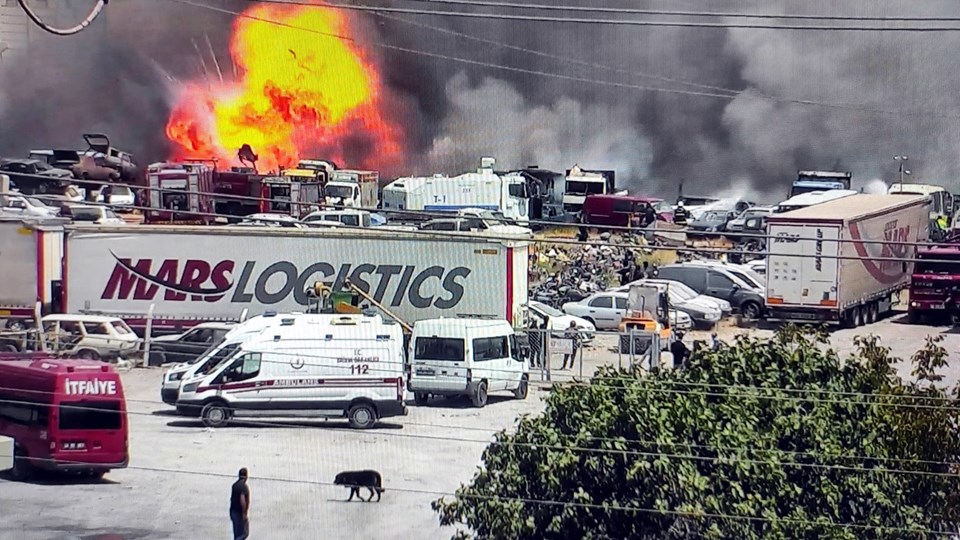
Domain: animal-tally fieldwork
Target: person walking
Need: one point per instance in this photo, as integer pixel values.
(240, 506)
(679, 351)
(535, 339)
(573, 335)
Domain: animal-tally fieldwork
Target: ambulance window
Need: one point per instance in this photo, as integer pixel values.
(244, 367)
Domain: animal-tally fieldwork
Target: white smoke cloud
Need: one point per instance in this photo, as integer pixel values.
(493, 119)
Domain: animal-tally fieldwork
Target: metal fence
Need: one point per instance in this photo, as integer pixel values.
(557, 354)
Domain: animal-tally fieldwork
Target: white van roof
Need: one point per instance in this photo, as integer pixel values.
(341, 327)
(257, 324)
(447, 325)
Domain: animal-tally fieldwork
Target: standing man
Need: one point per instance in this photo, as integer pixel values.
(240, 506)
(573, 335)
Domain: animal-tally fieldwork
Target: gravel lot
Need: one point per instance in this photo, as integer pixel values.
(292, 465)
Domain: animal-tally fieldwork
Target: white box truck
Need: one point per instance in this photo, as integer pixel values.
(196, 274)
(351, 188)
(484, 189)
(31, 253)
(843, 261)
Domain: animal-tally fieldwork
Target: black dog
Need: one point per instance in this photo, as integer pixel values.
(361, 479)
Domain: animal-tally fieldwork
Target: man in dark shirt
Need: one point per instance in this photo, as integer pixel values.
(239, 507)
(680, 352)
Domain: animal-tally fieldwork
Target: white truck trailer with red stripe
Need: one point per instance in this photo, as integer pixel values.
(195, 274)
(844, 260)
(30, 253)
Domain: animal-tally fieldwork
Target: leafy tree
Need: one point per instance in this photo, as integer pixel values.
(774, 438)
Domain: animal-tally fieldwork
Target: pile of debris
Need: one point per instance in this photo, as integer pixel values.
(561, 273)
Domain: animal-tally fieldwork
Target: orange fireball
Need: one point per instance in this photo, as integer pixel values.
(300, 94)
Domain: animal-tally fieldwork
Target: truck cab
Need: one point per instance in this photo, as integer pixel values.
(808, 181)
(935, 283)
(353, 189)
(291, 194)
(579, 183)
(179, 192)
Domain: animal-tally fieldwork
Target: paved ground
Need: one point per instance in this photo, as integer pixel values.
(173, 489)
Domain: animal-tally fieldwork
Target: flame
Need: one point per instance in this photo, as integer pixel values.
(299, 95)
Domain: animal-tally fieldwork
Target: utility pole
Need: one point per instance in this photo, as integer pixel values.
(901, 159)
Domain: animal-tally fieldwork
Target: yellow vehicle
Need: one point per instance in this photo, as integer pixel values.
(648, 315)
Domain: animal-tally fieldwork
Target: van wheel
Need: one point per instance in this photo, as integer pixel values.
(22, 470)
(215, 415)
(88, 354)
(421, 398)
(362, 416)
(479, 396)
(521, 391)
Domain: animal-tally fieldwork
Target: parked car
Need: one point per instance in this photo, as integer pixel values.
(90, 336)
(98, 215)
(94, 166)
(705, 314)
(743, 272)
(688, 293)
(719, 282)
(453, 224)
(187, 346)
(121, 197)
(271, 220)
(58, 159)
(558, 321)
(736, 224)
(711, 221)
(759, 266)
(617, 210)
(42, 177)
(14, 205)
(605, 309)
(34, 166)
(350, 218)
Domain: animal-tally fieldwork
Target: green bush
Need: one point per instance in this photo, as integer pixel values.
(773, 438)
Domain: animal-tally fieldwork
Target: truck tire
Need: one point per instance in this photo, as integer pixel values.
(479, 397)
(914, 317)
(362, 416)
(22, 469)
(421, 398)
(520, 392)
(873, 312)
(215, 414)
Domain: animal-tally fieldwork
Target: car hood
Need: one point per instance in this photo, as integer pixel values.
(561, 323)
(701, 304)
(167, 338)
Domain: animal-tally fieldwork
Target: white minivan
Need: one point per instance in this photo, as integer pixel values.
(471, 357)
(331, 366)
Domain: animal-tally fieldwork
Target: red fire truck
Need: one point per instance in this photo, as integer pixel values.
(180, 192)
(290, 194)
(63, 415)
(935, 283)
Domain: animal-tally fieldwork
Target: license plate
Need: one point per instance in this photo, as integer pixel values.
(426, 371)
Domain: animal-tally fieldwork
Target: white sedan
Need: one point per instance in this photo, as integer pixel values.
(605, 310)
(558, 321)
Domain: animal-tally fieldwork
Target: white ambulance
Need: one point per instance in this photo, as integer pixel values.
(331, 366)
(204, 363)
(471, 357)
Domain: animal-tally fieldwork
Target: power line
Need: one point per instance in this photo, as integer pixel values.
(617, 22)
(94, 13)
(721, 460)
(545, 502)
(601, 82)
(637, 11)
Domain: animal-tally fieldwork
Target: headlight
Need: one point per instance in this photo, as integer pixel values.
(192, 387)
(173, 377)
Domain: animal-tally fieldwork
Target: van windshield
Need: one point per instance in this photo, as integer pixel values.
(218, 358)
(443, 349)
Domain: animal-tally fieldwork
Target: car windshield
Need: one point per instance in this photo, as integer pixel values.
(713, 215)
(41, 166)
(36, 202)
(85, 213)
(682, 291)
(120, 190)
(546, 310)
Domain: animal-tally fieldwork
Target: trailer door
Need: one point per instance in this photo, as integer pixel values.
(802, 265)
